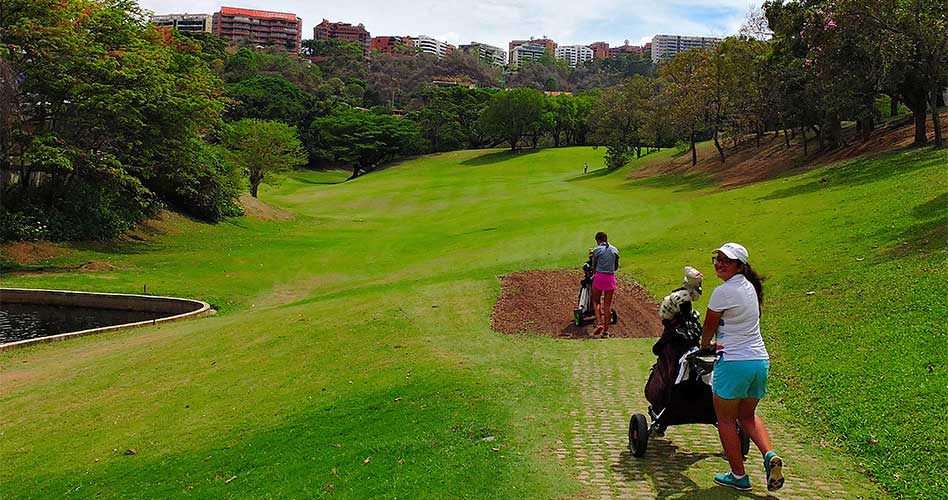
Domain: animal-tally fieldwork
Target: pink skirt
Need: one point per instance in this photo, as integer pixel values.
(603, 281)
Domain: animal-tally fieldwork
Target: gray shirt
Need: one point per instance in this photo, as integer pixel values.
(606, 258)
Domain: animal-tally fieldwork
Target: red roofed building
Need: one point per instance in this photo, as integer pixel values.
(600, 50)
(259, 27)
(626, 50)
(390, 44)
(344, 31)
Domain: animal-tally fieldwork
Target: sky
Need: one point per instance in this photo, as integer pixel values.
(497, 22)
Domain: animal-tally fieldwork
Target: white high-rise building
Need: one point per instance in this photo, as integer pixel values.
(665, 47)
(574, 55)
(526, 52)
(431, 46)
(495, 55)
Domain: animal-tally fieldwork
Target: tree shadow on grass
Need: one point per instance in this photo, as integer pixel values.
(862, 170)
(928, 235)
(677, 182)
(302, 180)
(497, 157)
(599, 172)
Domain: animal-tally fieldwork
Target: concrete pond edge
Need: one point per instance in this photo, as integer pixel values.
(176, 307)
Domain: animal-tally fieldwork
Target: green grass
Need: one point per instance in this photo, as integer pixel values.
(353, 358)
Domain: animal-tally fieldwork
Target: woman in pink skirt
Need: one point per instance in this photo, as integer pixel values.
(605, 260)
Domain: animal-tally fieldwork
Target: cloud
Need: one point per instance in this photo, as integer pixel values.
(498, 22)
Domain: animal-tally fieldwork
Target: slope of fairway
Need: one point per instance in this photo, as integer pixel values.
(353, 358)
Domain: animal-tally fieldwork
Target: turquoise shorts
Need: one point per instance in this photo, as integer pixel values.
(740, 379)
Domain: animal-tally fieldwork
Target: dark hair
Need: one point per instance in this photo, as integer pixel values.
(755, 279)
(601, 236)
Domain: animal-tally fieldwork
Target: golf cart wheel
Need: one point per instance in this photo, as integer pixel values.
(578, 317)
(745, 443)
(638, 435)
(614, 318)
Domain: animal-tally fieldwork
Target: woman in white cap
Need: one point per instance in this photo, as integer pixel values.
(740, 373)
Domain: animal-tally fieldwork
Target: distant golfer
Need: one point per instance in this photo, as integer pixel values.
(585, 168)
(605, 260)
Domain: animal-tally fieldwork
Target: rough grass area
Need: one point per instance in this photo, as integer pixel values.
(353, 355)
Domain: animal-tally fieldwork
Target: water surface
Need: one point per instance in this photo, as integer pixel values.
(30, 321)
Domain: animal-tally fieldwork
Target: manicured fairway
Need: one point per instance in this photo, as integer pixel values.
(353, 358)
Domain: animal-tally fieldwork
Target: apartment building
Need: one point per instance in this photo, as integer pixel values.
(259, 27)
(496, 55)
(184, 22)
(574, 55)
(429, 45)
(391, 44)
(344, 31)
(665, 47)
(526, 52)
(626, 49)
(600, 50)
(544, 42)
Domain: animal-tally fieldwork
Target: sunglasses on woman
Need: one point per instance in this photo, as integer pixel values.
(723, 260)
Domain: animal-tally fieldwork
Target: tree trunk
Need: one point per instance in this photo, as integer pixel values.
(786, 138)
(936, 121)
(917, 101)
(893, 106)
(718, 146)
(694, 153)
(834, 132)
(253, 188)
(920, 133)
(803, 140)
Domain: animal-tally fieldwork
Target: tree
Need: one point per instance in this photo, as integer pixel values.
(620, 119)
(268, 98)
(687, 86)
(448, 117)
(363, 140)
(106, 106)
(263, 149)
(513, 114)
(910, 36)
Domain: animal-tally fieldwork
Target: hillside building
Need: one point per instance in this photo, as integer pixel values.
(544, 42)
(429, 45)
(626, 49)
(344, 31)
(574, 55)
(600, 50)
(496, 55)
(665, 47)
(259, 27)
(391, 44)
(526, 52)
(184, 22)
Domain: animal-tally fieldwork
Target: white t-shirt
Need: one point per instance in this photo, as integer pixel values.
(739, 328)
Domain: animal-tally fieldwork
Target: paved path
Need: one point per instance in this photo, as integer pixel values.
(680, 464)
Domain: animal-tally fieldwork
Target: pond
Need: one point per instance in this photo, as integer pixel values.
(30, 321)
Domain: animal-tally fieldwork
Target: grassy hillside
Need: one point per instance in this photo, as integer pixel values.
(352, 356)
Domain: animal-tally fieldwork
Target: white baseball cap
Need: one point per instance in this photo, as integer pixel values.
(734, 251)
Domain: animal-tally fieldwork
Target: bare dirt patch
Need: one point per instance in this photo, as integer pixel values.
(28, 252)
(260, 210)
(94, 266)
(542, 302)
(747, 164)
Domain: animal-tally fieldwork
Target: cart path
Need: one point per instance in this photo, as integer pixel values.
(681, 463)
